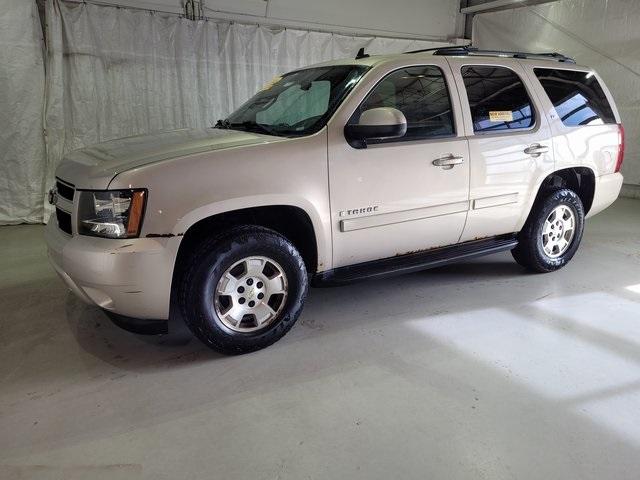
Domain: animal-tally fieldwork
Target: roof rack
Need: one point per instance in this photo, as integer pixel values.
(469, 50)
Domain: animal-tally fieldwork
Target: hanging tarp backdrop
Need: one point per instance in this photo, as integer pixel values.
(22, 154)
(113, 72)
(116, 72)
(603, 35)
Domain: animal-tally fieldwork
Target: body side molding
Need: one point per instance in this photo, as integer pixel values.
(495, 201)
(390, 218)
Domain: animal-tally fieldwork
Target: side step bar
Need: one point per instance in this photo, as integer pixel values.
(413, 262)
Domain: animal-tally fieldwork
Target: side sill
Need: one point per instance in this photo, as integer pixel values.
(413, 262)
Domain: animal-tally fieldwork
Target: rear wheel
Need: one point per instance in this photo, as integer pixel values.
(552, 234)
(243, 290)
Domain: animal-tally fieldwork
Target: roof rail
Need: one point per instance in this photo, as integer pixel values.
(469, 50)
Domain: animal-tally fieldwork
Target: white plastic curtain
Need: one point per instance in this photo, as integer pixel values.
(22, 153)
(115, 72)
(603, 35)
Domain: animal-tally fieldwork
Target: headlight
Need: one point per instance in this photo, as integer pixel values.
(112, 213)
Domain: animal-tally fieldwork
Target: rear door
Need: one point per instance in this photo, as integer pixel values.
(509, 143)
(391, 198)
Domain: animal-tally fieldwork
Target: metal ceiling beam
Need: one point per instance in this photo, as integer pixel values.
(497, 5)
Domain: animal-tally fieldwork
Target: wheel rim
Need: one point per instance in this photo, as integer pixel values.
(558, 231)
(251, 294)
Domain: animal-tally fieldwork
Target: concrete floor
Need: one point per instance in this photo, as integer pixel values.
(473, 371)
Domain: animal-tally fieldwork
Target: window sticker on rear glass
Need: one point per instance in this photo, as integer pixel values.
(501, 116)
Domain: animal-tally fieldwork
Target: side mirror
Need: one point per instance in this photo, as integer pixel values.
(376, 124)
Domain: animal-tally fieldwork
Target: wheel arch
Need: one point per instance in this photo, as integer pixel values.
(291, 221)
(581, 180)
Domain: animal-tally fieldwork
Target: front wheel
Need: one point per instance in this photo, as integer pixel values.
(243, 290)
(552, 234)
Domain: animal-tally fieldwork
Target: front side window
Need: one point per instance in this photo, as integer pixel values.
(497, 98)
(577, 96)
(421, 94)
(297, 104)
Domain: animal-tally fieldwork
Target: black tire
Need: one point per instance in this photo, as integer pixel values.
(213, 257)
(530, 253)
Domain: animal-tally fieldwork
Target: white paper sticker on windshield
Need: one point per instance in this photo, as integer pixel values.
(501, 116)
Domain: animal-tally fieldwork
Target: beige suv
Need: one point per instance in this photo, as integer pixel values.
(343, 171)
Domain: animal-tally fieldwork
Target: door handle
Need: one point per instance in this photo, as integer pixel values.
(448, 162)
(536, 150)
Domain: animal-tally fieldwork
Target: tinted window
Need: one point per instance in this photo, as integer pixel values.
(421, 94)
(577, 96)
(497, 98)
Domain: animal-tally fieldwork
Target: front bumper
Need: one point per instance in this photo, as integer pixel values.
(130, 277)
(606, 192)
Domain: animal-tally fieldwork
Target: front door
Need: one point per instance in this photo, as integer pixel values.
(395, 197)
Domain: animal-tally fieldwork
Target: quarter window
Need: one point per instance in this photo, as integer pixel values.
(577, 97)
(421, 94)
(497, 98)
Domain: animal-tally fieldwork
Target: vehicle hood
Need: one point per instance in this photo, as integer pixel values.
(95, 166)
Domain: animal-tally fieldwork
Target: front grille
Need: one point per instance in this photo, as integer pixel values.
(64, 220)
(65, 190)
(62, 198)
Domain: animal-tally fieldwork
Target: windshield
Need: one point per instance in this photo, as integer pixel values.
(296, 104)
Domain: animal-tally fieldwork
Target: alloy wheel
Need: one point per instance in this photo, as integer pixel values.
(558, 231)
(250, 294)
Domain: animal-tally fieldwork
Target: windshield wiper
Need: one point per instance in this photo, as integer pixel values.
(247, 126)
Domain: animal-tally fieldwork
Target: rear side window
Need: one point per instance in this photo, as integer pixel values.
(577, 97)
(498, 99)
(421, 94)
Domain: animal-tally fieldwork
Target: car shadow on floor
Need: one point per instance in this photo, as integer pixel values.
(98, 334)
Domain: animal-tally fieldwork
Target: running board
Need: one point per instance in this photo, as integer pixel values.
(413, 262)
